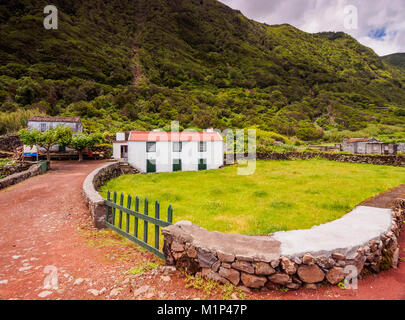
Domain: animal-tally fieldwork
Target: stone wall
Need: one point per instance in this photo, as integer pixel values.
(257, 262)
(94, 181)
(15, 178)
(14, 167)
(389, 160)
(10, 143)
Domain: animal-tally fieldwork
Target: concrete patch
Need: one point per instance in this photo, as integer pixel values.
(344, 235)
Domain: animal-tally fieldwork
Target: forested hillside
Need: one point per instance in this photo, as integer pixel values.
(138, 64)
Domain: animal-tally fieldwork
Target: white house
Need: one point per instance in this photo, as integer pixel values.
(120, 146)
(174, 151)
(44, 123)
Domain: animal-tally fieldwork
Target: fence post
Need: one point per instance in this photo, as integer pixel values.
(170, 214)
(157, 215)
(128, 207)
(115, 201)
(136, 219)
(107, 208)
(145, 224)
(121, 204)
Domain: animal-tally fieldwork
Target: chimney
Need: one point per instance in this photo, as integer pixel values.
(120, 136)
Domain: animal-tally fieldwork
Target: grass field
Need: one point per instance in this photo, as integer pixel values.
(280, 195)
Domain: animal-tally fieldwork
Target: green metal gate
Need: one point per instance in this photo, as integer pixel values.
(126, 222)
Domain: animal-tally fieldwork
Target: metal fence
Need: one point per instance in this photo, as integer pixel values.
(126, 221)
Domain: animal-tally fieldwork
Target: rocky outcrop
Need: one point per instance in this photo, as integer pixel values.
(275, 261)
(95, 180)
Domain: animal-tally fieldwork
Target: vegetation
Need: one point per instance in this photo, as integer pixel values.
(11, 122)
(3, 163)
(396, 60)
(280, 195)
(59, 135)
(82, 141)
(211, 289)
(148, 62)
(142, 267)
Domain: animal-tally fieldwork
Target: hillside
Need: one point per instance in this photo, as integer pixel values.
(137, 64)
(396, 60)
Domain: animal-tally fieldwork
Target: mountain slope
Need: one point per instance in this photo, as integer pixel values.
(196, 61)
(396, 60)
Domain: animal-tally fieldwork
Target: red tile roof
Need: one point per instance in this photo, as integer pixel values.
(360, 140)
(174, 136)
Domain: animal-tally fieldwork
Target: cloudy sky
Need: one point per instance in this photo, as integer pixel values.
(380, 24)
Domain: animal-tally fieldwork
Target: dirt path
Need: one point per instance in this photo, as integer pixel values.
(136, 66)
(46, 235)
(386, 199)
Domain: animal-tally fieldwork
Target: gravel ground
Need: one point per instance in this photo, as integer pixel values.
(49, 250)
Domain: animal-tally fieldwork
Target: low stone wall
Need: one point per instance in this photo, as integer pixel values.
(15, 178)
(366, 239)
(94, 181)
(14, 167)
(340, 157)
(5, 155)
(10, 143)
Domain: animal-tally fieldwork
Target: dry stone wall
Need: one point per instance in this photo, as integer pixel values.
(257, 262)
(10, 143)
(388, 160)
(14, 167)
(94, 181)
(15, 178)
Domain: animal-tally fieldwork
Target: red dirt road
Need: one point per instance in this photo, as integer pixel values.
(49, 250)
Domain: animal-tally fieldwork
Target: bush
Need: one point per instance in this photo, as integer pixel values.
(11, 122)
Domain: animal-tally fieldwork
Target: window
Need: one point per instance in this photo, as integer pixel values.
(43, 127)
(177, 146)
(150, 166)
(150, 146)
(176, 165)
(202, 164)
(203, 146)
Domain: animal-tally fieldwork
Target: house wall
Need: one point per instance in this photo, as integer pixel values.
(349, 147)
(117, 149)
(76, 127)
(374, 148)
(401, 147)
(360, 147)
(164, 155)
(381, 148)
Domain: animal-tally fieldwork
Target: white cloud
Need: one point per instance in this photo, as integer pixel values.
(328, 15)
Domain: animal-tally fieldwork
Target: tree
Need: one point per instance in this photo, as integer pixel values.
(60, 135)
(81, 141)
(28, 91)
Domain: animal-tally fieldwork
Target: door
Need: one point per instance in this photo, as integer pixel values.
(202, 164)
(124, 152)
(176, 165)
(150, 166)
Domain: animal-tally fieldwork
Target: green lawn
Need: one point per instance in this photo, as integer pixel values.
(280, 195)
